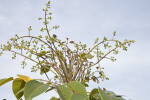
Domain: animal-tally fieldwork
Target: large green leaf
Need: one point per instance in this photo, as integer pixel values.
(17, 85)
(34, 88)
(105, 96)
(5, 80)
(64, 92)
(77, 87)
(79, 97)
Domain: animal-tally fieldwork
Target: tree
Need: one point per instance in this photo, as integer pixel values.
(69, 62)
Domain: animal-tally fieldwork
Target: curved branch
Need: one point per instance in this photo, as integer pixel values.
(38, 39)
(24, 56)
(103, 56)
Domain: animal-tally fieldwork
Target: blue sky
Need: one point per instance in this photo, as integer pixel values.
(84, 20)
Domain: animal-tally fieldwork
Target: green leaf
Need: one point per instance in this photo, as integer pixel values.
(79, 97)
(104, 96)
(64, 92)
(43, 52)
(105, 39)
(82, 55)
(5, 80)
(94, 95)
(44, 69)
(34, 88)
(94, 78)
(89, 56)
(77, 87)
(17, 85)
(114, 34)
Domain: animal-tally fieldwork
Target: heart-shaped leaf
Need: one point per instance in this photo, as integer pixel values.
(34, 88)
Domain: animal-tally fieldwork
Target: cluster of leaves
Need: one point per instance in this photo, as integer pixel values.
(27, 87)
(72, 91)
(76, 91)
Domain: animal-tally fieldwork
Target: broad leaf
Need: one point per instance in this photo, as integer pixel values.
(25, 78)
(105, 96)
(17, 87)
(5, 80)
(34, 88)
(64, 92)
(77, 87)
(79, 97)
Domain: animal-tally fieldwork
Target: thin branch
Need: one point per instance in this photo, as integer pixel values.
(103, 56)
(54, 46)
(42, 80)
(46, 25)
(50, 37)
(24, 56)
(38, 39)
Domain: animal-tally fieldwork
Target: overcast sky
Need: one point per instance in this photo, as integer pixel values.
(84, 20)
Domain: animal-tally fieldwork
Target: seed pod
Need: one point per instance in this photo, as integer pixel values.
(71, 41)
(67, 38)
(54, 36)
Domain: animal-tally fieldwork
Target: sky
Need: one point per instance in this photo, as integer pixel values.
(84, 20)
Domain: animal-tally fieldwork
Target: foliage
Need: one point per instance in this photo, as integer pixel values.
(72, 91)
(77, 94)
(69, 66)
